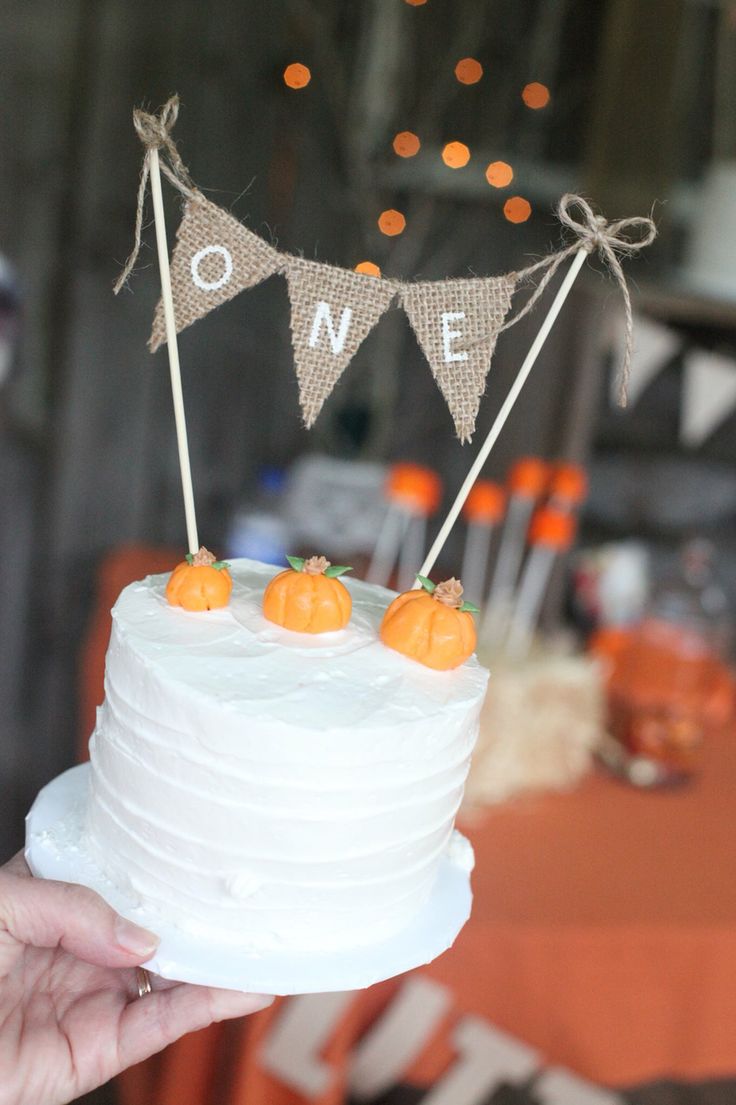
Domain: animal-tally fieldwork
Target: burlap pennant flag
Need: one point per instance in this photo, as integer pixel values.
(332, 311)
(215, 258)
(457, 323)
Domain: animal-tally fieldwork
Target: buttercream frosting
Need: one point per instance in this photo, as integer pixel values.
(272, 788)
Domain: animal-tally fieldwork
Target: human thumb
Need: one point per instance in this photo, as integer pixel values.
(47, 914)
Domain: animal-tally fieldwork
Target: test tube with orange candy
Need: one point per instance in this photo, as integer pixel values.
(568, 486)
(527, 480)
(551, 533)
(413, 494)
(483, 510)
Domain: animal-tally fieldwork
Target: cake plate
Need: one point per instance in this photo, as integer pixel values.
(55, 849)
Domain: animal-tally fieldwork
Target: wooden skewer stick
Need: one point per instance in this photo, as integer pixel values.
(173, 349)
(505, 411)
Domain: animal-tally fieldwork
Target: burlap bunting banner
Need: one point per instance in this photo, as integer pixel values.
(457, 323)
(215, 258)
(332, 311)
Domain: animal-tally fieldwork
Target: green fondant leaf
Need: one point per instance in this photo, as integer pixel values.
(336, 570)
(220, 564)
(427, 584)
(297, 562)
(469, 608)
(189, 558)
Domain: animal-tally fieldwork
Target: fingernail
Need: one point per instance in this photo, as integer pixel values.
(262, 1001)
(233, 1003)
(134, 939)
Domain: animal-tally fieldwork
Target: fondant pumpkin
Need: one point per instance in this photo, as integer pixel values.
(308, 597)
(432, 625)
(201, 582)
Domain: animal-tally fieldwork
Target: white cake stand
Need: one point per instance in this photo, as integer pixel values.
(55, 849)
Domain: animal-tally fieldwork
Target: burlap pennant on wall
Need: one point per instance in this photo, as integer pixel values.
(332, 311)
(457, 323)
(215, 258)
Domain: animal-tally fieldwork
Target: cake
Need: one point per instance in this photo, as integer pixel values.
(273, 789)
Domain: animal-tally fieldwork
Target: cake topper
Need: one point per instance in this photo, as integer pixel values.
(200, 582)
(308, 597)
(433, 625)
(457, 322)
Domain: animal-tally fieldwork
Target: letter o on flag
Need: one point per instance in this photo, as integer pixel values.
(211, 285)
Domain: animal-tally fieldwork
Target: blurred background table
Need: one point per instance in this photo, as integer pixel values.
(604, 925)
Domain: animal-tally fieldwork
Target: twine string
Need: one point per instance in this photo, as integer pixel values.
(154, 132)
(594, 234)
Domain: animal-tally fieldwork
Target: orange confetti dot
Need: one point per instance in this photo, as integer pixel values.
(535, 95)
(455, 155)
(297, 75)
(468, 71)
(391, 222)
(368, 268)
(406, 144)
(517, 209)
(499, 174)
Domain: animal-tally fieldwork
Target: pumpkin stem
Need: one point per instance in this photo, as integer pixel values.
(449, 593)
(203, 559)
(316, 565)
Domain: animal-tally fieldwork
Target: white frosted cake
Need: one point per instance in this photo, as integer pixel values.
(274, 789)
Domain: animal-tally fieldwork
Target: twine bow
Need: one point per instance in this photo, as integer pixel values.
(154, 132)
(595, 234)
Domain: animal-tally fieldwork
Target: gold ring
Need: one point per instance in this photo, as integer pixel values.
(143, 981)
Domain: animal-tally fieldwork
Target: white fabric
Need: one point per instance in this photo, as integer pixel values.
(655, 346)
(292, 1051)
(556, 1086)
(488, 1057)
(709, 395)
(398, 1038)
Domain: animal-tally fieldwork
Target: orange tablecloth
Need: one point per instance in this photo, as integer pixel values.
(604, 926)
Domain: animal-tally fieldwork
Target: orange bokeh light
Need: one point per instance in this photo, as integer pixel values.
(468, 71)
(517, 209)
(455, 155)
(499, 174)
(297, 75)
(368, 268)
(406, 144)
(535, 95)
(391, 222)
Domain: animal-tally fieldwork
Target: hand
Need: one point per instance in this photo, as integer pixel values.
(70, 1015)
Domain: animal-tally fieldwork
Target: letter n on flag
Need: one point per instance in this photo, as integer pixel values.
(457, 323)
(332, 312)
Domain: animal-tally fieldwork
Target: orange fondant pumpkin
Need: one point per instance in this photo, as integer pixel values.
(432, 625)
(201, 582)
(308, 597)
